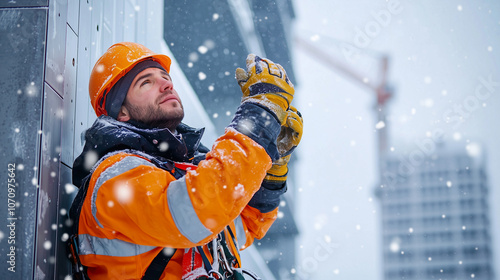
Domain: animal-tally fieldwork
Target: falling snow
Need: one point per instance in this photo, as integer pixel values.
(202, 76)
(70, 188)
(64, 237)
(380, 125)
(314, 38)
(163, 147)
(47, 245)
(193, 57)
(395, 245)
(123, 193)
(90, 159)
(428, 102)
(473, 149)
(202, 49)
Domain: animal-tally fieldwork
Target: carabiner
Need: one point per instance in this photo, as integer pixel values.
(217, 276)
(228, 268)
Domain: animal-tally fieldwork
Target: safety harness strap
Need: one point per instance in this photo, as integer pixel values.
(157, 266)
(79, 271)
(204, 257)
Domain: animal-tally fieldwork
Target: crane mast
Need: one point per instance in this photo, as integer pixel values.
(381, 91)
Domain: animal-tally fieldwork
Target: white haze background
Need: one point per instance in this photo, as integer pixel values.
(438, 52)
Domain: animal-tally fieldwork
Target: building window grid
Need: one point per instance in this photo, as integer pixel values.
(466, 189)
(436, 222)
(434, 175)
(474, 205)
(472, 252)
(440, 254)
(473, 219)
(397, 193)
(401, 273)
(472, 235)
(443, 273)
(436, 206)
(400, 238)
(479, 271)
(403, 223)
(467, 194)
(398, 208)
(437, 237)
(403, 256)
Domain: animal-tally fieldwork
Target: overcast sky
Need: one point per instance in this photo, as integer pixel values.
(440, 52)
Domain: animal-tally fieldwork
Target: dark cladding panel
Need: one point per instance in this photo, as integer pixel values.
(48, 190)
(73, 14)
(23, 3)
(272, 19)
(82, 83)
(69, 96)
(22, 52)
(56, 46)
(67, 193)
(208, 46)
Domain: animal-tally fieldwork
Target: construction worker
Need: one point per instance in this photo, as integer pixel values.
(153, 202)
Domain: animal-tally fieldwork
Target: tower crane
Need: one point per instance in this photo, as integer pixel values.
(382, 92)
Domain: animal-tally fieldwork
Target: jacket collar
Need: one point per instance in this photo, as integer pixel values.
(107, 135)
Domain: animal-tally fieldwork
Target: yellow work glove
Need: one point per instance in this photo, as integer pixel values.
(266, 83)
(288, 139)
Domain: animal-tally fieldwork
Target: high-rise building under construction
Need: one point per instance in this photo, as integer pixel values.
(435, 215)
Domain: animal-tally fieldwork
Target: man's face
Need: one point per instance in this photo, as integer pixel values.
(152, 100)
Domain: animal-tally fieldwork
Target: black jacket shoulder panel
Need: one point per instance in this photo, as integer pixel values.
(107, 135)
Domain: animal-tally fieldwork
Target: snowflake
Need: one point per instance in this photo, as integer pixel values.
(202, 76)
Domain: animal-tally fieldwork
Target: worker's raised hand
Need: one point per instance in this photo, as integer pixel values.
(266, 83)
(291, 132)
(288, 139)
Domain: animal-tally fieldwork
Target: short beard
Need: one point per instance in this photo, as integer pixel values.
(153, 117)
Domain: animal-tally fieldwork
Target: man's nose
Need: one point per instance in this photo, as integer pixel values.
(166, 84)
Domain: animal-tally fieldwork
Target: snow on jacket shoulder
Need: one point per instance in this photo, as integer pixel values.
(133, 209)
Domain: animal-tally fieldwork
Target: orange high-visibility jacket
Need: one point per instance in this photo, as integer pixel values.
(133, 209)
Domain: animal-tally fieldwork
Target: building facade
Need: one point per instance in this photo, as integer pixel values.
(435, 216)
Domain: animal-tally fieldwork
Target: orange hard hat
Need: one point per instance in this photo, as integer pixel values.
(114, 64)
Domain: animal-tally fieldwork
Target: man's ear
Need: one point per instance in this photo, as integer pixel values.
(123, 115)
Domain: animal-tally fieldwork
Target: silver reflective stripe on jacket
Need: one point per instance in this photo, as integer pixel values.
(91, 245)
(240, 232)
(183, 213)
(124, 165)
